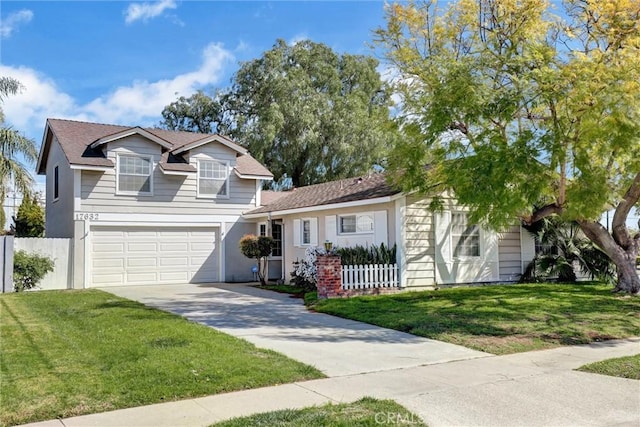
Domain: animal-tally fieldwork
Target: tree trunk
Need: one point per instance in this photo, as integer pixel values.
(623, 258)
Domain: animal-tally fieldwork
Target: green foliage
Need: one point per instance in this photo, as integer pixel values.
(14, 148)
(29, 270)
(258, 248)
(69, 353)
(364, 412)
(623, 367)
(563, 247)
(306, 112)
(522, 113)
(29, 222)
(361, 255)
(197, 113)
(500, 319)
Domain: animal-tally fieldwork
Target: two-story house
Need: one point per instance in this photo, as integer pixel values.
(149, 206)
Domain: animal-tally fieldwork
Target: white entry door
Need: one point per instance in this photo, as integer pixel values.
(146, 256)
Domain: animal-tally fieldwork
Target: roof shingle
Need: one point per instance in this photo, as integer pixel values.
(342, 191)
(76, 137)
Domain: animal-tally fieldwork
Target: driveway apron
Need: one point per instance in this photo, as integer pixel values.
(336, 346)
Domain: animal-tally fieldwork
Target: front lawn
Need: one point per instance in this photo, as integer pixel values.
(501, 319)
(364, 412)
(624, 367)
(66, 353)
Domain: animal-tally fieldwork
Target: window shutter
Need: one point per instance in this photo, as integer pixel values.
(297, 226)
(527, 247)
(313, 222)
(491, 252)
(443, 238)
(331, 228)
(380, 234)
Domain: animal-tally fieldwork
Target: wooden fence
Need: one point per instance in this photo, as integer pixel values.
(369, 276)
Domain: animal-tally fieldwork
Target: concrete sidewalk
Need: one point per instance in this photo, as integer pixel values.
(525, 389)
(278, 322)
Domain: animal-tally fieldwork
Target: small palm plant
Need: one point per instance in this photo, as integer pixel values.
(560, 249)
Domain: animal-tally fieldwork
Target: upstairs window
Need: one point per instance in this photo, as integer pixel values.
(56, 183)
(134, 175)
(465, 237)
(213, 179)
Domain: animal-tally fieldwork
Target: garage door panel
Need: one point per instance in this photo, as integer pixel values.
(176, 247)
(175, 276)
(107, 263)
(109, 247)
(142, 247)
(141, 262)
(138, 256)
(174, 262)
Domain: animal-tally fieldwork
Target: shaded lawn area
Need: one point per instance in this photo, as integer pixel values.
(66, 353)
(501, 319)
(364, 412)
(623, 367)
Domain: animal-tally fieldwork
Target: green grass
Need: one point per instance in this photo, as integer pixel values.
(500, 319)
(364, 412)
(624, 367)
(284, 289)
(66, 353)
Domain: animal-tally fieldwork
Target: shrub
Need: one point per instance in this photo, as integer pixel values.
(258, 248)
(29, 270)
(305, 272)
(360, 255)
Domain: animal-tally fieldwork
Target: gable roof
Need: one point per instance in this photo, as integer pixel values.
(80, 143)
(374, 186)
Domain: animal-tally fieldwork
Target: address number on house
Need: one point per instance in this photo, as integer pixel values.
(87, 216)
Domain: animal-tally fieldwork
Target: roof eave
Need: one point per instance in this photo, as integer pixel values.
(323, 207)
(41, 165)
(208, 140)
(251, 176)
(131, 131)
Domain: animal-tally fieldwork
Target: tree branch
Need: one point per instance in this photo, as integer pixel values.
(619, 227)
(543, 212)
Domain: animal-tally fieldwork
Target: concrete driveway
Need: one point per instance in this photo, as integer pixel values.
(336, 346)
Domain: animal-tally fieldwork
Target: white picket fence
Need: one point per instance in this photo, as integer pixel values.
(369, 276)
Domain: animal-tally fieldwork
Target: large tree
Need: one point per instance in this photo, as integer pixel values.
(14, 150)
(308, 113)
(523, 113)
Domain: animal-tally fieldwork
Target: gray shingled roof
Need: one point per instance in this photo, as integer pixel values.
(76, 137)
(345, 190)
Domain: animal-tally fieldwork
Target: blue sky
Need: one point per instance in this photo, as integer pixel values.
(122, 62)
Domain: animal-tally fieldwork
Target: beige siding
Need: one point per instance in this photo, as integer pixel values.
(292, 253)
(510, 254)
(419, 244)
(171, 193)
(59, 213)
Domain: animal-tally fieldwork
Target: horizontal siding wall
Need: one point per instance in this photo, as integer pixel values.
(509, 254)
(60, 251)
(419, 243)
(171, 193)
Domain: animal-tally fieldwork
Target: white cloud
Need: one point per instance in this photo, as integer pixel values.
(139, 103)
(11, 23)
(297, 39)
(146, 11)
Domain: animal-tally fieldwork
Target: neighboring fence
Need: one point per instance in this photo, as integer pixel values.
(59, 250)
(6, 263)
(369, 276)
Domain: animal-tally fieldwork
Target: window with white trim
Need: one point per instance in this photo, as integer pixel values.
(306, 232)
(350, 224)
(213, 179)
(465, 237)
(134, 175)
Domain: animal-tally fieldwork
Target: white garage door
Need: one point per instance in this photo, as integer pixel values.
(146, 256)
